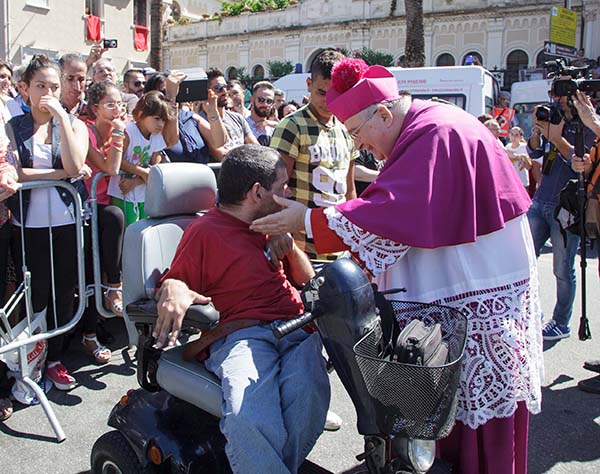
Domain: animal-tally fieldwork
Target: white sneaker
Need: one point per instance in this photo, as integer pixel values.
(333, 421)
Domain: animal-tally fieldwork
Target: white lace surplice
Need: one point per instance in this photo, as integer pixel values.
(495, 281)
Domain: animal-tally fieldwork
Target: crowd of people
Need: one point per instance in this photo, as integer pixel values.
(307, 182)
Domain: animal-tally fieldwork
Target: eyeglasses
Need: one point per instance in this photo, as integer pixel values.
(113, 105)
(219, 87)
(139, 83)
(263, 100)
(354, 134)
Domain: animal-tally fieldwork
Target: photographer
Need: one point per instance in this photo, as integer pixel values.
(553, 138)
(585, 165)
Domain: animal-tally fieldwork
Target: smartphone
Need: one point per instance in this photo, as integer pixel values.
(110, 43)
(192, 90)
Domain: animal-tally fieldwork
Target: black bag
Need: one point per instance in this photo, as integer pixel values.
(567, 212)
(419, 344)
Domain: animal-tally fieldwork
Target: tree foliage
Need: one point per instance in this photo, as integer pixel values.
(280, 68)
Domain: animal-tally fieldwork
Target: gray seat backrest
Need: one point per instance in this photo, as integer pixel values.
(175, 193)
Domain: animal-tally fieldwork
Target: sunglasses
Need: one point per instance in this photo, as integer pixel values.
(220, 87)
(262, 100)
(139, 83)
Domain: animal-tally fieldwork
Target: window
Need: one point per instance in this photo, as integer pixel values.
(515, 61)
(445, 60)
(232, 73)
(541, 58)
(94, 7)
(37, 4)
(140, 12)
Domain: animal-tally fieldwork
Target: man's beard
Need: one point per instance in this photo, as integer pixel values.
(263, 113)
(222, 101)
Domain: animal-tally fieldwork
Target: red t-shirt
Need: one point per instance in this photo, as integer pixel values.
(219, 256)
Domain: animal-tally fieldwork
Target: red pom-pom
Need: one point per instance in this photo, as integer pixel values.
(346, 73)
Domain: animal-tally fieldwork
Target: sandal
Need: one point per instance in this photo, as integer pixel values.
(6, 409)
(93, 347)
(113, 299)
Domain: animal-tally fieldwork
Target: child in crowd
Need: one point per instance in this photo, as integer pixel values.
(153, 129)
(108, 111)
(517, 152)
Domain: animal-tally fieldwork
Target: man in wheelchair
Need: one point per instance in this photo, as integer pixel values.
(275, 392)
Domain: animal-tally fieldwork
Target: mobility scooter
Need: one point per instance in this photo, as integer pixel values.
(171, 423)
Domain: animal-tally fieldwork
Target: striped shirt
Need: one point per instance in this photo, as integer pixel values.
(322, 155)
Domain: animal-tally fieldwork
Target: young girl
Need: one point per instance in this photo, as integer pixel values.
(517, 152)
(47, 143)
(107, 112)
(154, 128)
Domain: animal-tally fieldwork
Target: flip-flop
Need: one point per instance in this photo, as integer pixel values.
(6, 409)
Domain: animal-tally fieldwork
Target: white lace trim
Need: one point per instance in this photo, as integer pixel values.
(503, 362)
(377, 254)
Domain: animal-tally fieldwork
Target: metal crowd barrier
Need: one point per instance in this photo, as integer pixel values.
(96, 286)
(22, 295)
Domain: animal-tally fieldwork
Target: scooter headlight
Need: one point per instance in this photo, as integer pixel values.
(421, 454)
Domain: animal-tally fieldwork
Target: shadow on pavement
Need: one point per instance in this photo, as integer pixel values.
(19, 434)
(565, 430)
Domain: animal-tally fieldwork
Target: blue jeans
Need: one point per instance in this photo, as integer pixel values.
(543, 225)
(275, 397)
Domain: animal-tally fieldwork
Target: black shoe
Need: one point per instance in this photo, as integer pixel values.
(104, 337)
(590, 385)
(593, 365)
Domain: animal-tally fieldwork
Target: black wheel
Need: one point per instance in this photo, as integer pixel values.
(112, 454)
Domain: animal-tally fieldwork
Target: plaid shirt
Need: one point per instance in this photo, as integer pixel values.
(322, 156)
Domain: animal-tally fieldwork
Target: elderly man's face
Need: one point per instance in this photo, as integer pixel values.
(366, 129)
(104, 71)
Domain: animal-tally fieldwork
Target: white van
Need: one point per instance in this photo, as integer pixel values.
(524, 96)
(472, 88)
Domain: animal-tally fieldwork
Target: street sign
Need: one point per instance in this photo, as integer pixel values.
(553, 49)
(563, 26)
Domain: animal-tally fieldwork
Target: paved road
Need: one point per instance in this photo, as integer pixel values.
(565, 437)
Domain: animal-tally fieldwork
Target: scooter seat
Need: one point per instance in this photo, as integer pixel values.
(189, 381)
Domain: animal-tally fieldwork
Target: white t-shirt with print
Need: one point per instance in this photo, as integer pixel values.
(139, 152)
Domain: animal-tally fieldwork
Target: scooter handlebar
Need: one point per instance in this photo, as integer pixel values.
(290, 326)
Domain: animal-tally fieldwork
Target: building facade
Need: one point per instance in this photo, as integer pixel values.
(55, 27)
(504, 35)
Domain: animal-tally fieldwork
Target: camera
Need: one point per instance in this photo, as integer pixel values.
(110, 43)
(549, 113)
(566, 87)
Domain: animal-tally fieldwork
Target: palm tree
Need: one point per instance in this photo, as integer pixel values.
(415, 39)
(156, 34)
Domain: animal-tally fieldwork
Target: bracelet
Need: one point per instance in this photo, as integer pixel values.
(213, 118)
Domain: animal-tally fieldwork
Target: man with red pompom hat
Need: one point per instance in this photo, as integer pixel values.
(446, 219)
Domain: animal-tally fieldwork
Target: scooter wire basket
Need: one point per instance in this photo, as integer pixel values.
(415, 401)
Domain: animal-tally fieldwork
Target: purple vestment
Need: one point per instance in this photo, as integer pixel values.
(446, 181)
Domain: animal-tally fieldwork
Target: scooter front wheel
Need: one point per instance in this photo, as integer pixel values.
(112, 454)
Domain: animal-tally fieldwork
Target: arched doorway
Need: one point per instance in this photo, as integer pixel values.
(258, 72)
(231, 73)
(515, 61)
(445, 59)
(541, 58)
(472, 58)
